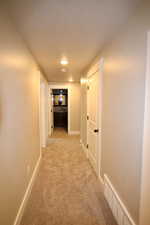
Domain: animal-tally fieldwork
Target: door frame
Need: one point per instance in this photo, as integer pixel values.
(95, 68)
(43, 111)
(63, 86)
(145, 184)
(50, 117)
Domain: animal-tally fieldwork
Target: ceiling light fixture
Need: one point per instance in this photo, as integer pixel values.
(64, 61)
(83, 81)
(70, 80)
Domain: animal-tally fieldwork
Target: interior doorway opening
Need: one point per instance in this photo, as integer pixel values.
(60, 110)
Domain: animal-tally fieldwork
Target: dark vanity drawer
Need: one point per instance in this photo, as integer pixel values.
(60, 119)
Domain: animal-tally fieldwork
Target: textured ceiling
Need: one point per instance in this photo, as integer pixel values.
(76, 29)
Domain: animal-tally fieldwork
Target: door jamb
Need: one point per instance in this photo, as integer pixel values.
(100, 104)
(144, 216)
(42, 112)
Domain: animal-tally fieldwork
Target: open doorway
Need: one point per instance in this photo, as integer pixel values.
(60, 109)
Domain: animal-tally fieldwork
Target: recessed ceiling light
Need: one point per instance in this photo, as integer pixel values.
(83, 81)
(64, 62)
(70, 80)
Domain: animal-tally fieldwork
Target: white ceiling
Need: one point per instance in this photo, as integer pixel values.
(76, 29)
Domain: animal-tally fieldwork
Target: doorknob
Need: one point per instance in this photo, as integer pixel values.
(96, 130)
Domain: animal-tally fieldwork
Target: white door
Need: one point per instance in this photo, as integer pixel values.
(94, 117)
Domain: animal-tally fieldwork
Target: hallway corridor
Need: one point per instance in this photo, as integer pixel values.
(66, 191)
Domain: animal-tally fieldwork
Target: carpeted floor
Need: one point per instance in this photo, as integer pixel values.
(66, 191)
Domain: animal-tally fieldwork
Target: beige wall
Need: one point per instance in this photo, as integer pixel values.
(75, 94)
(19, 119)
(75, 107)
(123, 114)
(123, 108)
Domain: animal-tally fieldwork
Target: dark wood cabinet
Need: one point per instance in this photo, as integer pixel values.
(60, 108)
(60, 119)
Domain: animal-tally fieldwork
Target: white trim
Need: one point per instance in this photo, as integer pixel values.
(43, 112)
(144, 216)
(63, 86)
(97, 67)
(50, 112)
(73, 132)
(27, 194)
(119, 209)
(100, 99)
(40, 111)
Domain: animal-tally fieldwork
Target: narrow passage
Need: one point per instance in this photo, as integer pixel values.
(66, 191)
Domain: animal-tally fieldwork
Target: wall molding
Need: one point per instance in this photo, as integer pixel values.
(73, 132)
(117, 206)
(27, 194)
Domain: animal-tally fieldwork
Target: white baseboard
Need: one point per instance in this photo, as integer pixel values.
(118, 208)
(73, 132)
(27, 194)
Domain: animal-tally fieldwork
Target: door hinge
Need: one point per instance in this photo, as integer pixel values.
(52, 127)
(87, 117)
(88, 87)
(87, 146)
(51, 110)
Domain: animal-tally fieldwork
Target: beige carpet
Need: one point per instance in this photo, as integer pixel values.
(66, 191)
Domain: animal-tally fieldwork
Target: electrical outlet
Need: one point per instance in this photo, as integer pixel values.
(120, 215)
(106, 191)
(28, 170)
(110, 198)
(108, 195)
(114, 206)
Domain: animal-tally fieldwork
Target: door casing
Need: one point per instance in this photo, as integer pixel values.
(98, 67)
(62, 86)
